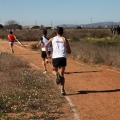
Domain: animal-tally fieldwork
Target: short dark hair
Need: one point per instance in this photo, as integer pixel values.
(11, 32)
(45, 32)
(60, 30)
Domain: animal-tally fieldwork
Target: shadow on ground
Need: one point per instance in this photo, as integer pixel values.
(93, 91)
(99, 91)
(82, 72)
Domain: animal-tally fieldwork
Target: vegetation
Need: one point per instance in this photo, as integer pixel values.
(27, 94)
(74, 34)
(1, 26)
(35, 27)
(95, 51)
(98, 46)
(12, 24)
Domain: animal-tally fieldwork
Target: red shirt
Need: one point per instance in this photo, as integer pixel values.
(11, 37)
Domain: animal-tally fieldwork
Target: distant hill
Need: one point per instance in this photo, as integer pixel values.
(91, 25)
(102, 24)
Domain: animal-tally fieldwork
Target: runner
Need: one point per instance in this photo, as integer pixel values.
(43, 40)
(60, 49)
(11, 38)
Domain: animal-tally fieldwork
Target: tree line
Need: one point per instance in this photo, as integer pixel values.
(12, 24)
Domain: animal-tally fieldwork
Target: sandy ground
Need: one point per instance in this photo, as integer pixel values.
(94, 91)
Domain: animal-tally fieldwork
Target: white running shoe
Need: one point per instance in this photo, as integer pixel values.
(45, 72)
(63, 92)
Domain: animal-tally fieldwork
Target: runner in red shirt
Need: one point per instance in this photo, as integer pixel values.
(11, 39)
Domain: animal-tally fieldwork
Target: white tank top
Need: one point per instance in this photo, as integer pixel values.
(43, 42)
(59, 49)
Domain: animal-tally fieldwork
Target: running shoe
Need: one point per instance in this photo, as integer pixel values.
(63, 92)
(45, 72)
(58, 81)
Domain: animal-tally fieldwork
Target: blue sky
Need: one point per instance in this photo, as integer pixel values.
(43, 12)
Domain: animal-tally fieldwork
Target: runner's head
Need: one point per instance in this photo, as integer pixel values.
(60, 31)
(44, 32)
(11, 32)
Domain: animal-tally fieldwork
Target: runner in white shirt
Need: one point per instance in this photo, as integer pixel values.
(60, 49)
(43, 40)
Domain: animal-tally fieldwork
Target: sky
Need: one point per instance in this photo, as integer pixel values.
(56, 12)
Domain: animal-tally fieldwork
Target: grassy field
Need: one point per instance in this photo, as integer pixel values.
(27, 94)
(74, 34)
(96, 46)
(97, 51)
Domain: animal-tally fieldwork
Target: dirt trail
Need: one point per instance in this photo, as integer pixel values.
(94, 91)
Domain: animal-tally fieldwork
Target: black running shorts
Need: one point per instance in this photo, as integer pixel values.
(44, 55)
(11, 43)
(59, 62)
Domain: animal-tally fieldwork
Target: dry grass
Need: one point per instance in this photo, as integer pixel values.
(96, 46)
(27, 94)
(78, 34)
(73, 34)
(107, 53)
(34, 47)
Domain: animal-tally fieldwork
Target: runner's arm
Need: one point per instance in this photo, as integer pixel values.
(39, 43)
(68, 49)
(46, 46)
(15, 37)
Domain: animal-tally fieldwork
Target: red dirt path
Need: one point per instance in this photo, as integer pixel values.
(95, 91)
